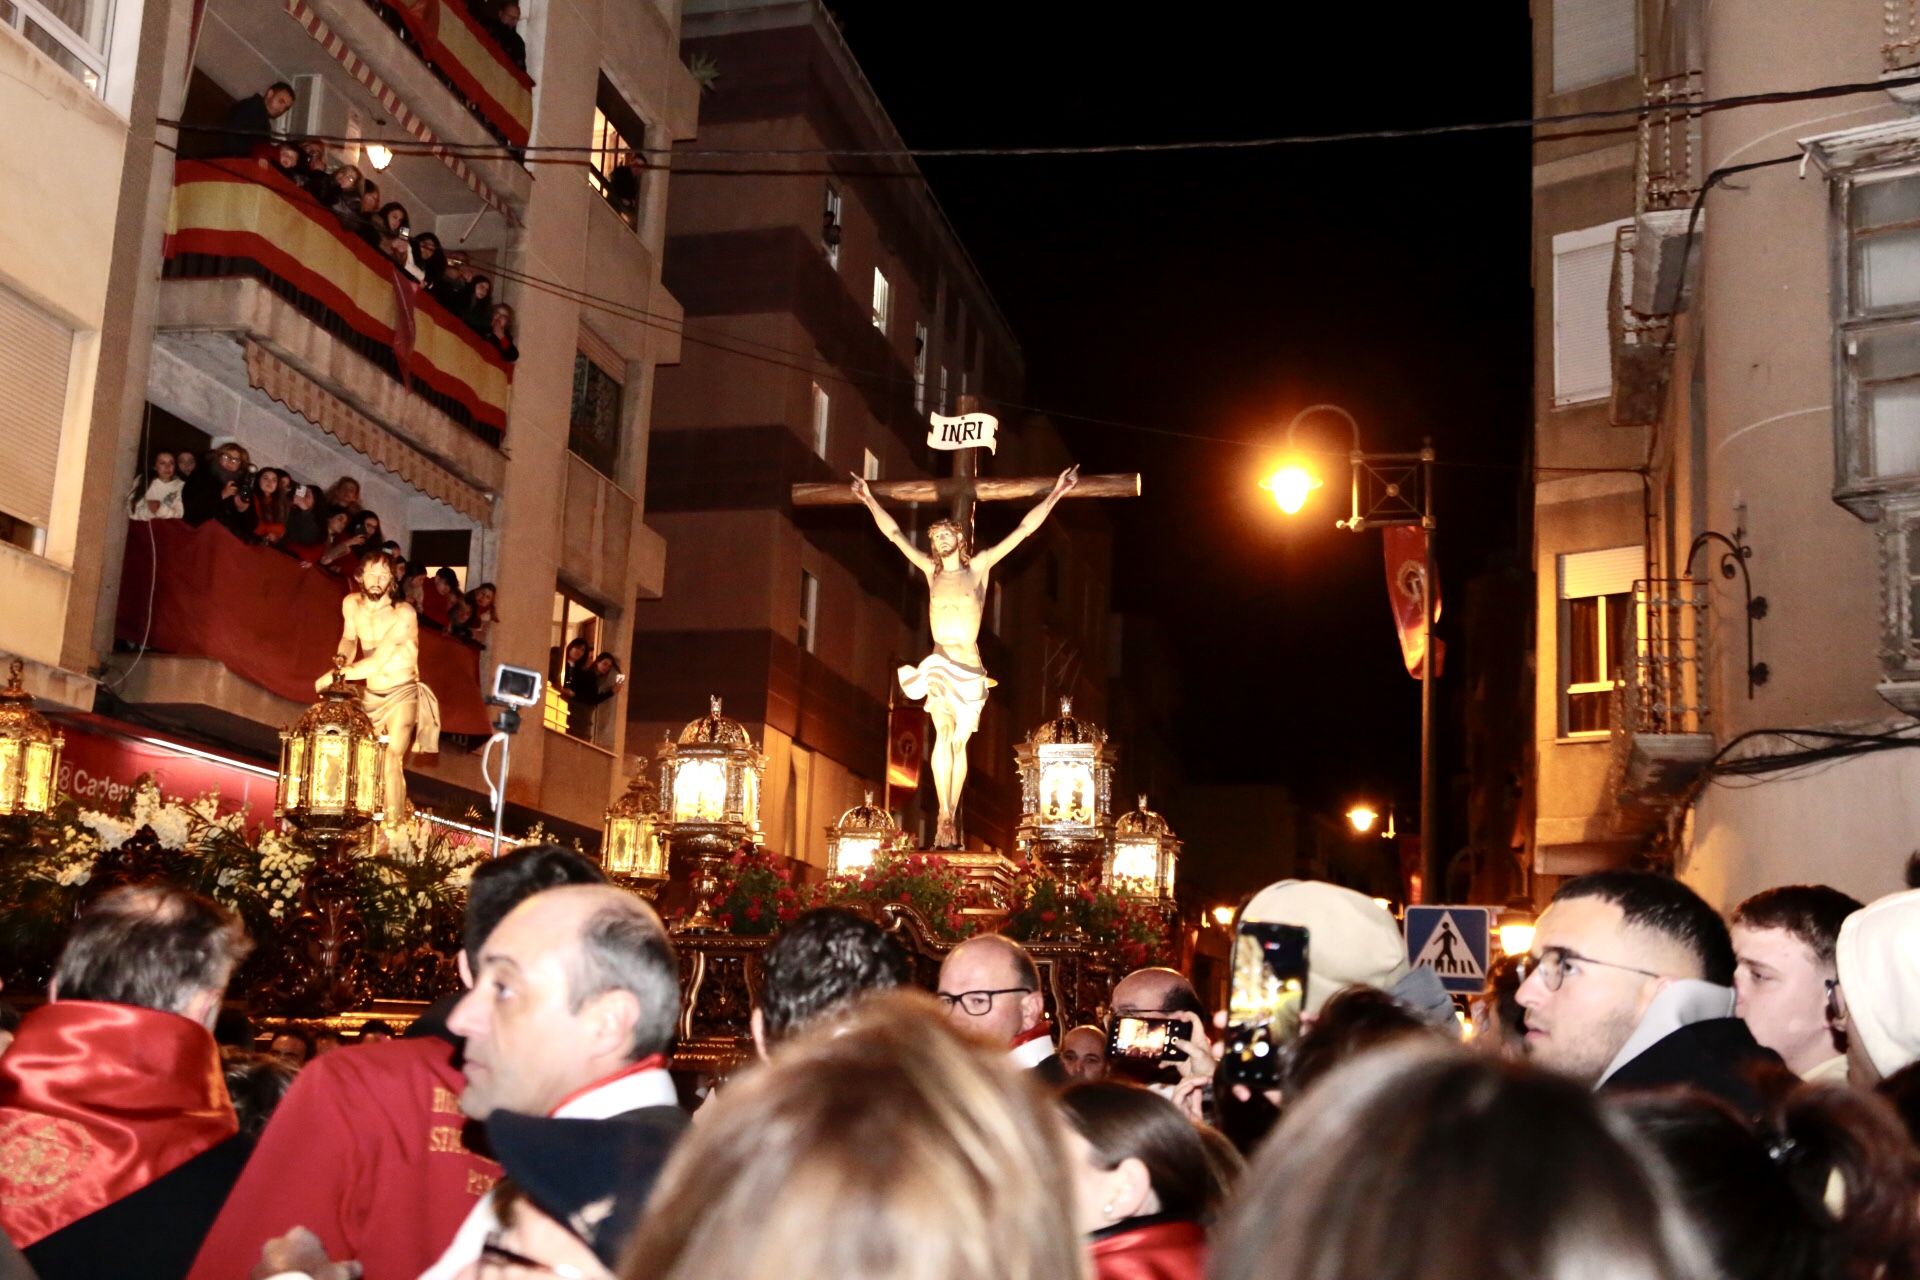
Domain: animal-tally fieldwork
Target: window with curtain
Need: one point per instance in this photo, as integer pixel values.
(1596, 635)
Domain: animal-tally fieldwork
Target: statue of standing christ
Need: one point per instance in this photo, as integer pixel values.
(952, 680)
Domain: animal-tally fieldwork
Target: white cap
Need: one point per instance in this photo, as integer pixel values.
(1878, 959)
(1351, 939)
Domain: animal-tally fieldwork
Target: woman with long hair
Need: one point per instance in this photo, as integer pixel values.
(882, 1147)
(1429, 1162)
(272, 501)
(343, 493)
(484, 613)
(1145, 1185)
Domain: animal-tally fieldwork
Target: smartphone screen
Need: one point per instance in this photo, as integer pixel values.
(1265, 1000)
(1139, 1038)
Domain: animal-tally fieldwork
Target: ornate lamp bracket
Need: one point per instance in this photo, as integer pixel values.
(1734, 555)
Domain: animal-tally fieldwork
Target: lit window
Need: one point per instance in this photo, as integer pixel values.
(616, 167)
(1596, 635)
(882, 300)
(809, 609)
(73, 33)
(586, 714)
(869, 465)
(822, 413)
(830, 228)
(919, 368)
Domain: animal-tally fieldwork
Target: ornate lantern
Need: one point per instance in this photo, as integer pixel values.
(1144, 857)
(633, 847)
(710, 801)
(863, 833)
(332, 783)
(1066, 795)
(29, 752)
(332, 764)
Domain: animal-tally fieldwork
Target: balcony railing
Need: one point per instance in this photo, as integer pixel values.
(1901, 50)
(1670, 657)
(1662, 737)
(466, 58)
(201, 592)
(236, 219)
(1667, 158)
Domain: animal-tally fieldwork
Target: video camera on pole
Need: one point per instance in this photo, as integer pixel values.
(514, 688)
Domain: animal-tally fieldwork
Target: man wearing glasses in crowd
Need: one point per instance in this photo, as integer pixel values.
(1630, 986)
(990, 987)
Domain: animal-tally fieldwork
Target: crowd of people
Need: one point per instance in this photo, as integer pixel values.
(1655, 1097)
(355, 199)
(326, 529)
(584, 681)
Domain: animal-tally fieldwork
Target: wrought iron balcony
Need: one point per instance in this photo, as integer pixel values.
(1662, 734)
(1667, 159)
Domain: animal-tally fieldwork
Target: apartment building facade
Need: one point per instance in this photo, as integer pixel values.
(1727, 663)
(830, 309)
(199, 298)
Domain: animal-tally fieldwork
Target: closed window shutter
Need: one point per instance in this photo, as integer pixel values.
(1593, 41)
(1611, 572)
(1582, 278)
(36, 352)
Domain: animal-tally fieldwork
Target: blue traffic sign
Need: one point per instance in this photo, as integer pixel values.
(1452, 941)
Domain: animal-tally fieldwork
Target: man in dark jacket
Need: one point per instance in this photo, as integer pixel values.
(115, 1128)
(1630, 986)
(249, 122)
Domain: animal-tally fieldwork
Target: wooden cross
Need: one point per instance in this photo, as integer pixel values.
(966, 487)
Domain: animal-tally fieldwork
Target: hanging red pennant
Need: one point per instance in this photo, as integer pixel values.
(906, 749)
(1406, 548)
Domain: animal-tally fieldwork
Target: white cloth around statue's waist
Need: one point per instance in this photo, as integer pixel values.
(941, 681)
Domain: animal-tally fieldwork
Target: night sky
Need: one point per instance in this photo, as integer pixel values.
(1214, 294)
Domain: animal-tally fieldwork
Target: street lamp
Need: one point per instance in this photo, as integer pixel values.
(1388, 489)
(1362, 818)
(1515, 925)
(29, 752)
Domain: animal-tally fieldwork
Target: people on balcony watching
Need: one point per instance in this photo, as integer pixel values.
(437, 595)
(285, 160)
(314, 177)
(624, 184)
(249, 122)
(157, 494)
(304, 524)
(592, 685)
(478, 313)
(429, 260)
(272, 502)
(335, 532)
(480, 623)
(500, 332)
(214, 492)
(343, 493)
(343, 190)
(503, 27)
(362, 217)
(363, 533)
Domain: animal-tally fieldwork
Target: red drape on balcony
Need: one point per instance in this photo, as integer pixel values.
(452, 39)
(259, 614)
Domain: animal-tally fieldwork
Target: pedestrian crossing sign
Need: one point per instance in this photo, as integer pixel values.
(1453, 942)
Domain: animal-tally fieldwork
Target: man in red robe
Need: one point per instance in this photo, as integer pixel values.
(367, 1151)
(115, 1128)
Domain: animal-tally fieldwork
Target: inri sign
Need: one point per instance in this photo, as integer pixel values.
(967, 431)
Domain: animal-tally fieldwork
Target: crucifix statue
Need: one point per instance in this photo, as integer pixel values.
(952, 680)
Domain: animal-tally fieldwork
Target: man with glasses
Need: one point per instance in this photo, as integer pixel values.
(1629, 985)
(990, 987)
(1783, 942)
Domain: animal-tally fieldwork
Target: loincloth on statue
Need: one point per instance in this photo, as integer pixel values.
(939, 680)
(384, 706)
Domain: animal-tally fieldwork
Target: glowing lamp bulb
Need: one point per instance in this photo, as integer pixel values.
(1363, 817)
(1223, 916)
(1291, 486)
(379, 156)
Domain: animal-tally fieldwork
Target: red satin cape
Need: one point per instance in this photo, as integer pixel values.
(96, 1101)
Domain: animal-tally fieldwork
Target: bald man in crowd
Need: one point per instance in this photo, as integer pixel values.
(990, 987)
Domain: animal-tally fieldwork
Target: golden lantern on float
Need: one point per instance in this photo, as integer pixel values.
(633, 845)
(1144, 857)
(332, 764)
(709, 801)
(1066, 796)
(863, 833)
(29, 752)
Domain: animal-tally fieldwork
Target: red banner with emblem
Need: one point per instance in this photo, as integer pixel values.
(1406, 548)
(906, 750)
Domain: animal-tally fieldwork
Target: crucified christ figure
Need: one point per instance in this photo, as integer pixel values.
(952, 680)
